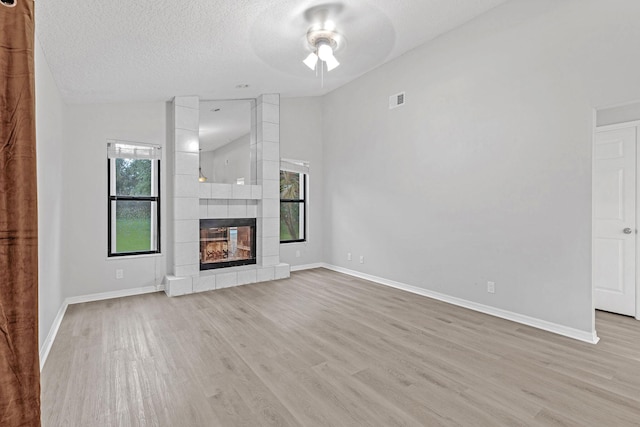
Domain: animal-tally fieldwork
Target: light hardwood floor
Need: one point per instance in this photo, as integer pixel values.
(324, 349)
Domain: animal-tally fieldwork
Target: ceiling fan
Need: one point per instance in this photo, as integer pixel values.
(323, 42)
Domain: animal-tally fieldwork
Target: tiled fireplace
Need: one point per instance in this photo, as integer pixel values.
(191, 201)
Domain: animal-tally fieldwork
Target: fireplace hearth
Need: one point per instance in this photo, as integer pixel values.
(227, 242)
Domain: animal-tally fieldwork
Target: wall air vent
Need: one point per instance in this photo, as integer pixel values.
(396, 100)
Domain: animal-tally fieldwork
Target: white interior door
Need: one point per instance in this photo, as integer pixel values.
(614, 203)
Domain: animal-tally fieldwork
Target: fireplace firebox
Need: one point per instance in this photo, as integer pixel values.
(227, 242)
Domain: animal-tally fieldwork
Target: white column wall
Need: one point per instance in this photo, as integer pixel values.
(185, 197)
(268, 171)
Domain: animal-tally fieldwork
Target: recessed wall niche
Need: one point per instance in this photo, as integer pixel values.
(227, 141)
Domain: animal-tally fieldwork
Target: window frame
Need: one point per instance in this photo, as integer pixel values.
(115, 198)
(303, 202)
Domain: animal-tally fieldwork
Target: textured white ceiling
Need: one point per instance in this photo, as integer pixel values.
(149, 50)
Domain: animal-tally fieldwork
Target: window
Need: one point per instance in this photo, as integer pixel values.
(293, 201)
(134, 198)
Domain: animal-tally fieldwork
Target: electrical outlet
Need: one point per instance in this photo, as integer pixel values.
(119, 274)
(361, 259)
(297, 254)
(491, 287)
(348, 256)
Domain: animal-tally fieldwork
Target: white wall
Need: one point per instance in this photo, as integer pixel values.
(485, 173)
(86, 268)
(229, 162)
(49, 142)
(301, 139)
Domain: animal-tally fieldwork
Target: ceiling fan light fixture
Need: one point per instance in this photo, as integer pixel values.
(324, 51)
(324, 42)
(311, 60)
(331, 62)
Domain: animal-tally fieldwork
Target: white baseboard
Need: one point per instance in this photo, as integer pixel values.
(115, 294)
(307, 266)
(48, 342)
(590, 337)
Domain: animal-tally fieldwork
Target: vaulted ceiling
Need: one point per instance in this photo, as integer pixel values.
(149, 50)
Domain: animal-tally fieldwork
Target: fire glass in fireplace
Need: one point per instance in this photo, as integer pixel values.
(227, 242)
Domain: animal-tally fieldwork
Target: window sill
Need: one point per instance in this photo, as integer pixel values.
(126, 257)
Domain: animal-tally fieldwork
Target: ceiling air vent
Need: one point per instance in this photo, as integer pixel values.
(396, 100)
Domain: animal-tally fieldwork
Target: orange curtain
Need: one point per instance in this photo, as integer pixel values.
(19, 364)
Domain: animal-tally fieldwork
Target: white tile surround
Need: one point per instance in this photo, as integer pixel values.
(193, 201)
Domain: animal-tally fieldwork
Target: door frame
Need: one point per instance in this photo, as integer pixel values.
(596, 129)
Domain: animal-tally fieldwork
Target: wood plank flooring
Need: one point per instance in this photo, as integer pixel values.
(325, 349)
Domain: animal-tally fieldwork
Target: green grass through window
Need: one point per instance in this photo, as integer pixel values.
(133, 235)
